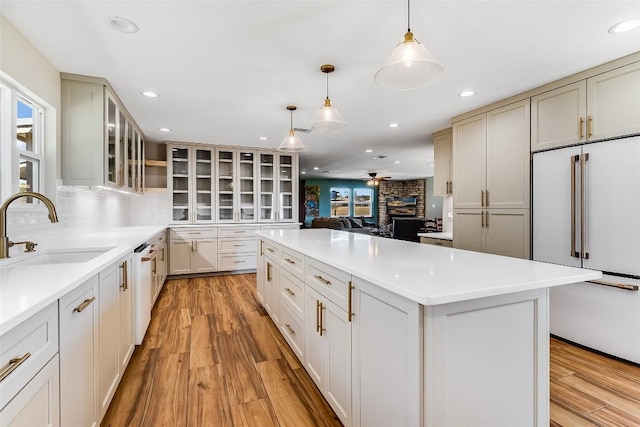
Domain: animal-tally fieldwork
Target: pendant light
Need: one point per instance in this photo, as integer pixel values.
(327, 119)
(410, 65)
(291, 143)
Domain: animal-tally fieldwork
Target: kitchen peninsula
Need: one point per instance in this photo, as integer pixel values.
(399, 333)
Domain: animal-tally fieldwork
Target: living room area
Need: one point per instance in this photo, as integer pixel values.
(373, 206)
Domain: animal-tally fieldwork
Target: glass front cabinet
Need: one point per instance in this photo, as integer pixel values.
(236, 178)
(191, 183)
(101, 143)
(278, 183)
(213, 184)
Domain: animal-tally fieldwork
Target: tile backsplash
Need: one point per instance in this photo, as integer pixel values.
(82, 210)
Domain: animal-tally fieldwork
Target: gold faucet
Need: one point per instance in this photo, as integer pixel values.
(4, 240)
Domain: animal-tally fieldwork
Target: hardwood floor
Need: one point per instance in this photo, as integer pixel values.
(213, 357)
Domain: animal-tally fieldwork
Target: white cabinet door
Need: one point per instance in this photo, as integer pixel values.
(469, 162)
(181, 260)
(205, 255)
(272, 290)
(287, 188)
(469, 229)
(558, 117)
(508, 157)
(508, 232)
(108, 357)
(260, 272)
(38, 403)
(126, 329)
(613, 103)
(78, 355)
(387, 350)
(442, 146)
(314, 345)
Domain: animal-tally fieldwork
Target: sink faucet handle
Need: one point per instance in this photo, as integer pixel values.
(28, 246)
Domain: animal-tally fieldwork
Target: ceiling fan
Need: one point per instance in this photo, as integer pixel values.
(375, 179)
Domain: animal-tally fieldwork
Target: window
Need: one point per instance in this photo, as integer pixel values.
(21, 132)
(340, 201)
(363, 201)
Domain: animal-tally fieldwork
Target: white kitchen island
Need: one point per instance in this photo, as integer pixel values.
(397, 333)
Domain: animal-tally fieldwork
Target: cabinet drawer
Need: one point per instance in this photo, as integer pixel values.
(237, 245)
(292, 329)
(236, 262)
(292, 293)
(436, 242)
(191, 233)
(30, 345)
(238, 231)
(293, 262)
(329, 281)
(272, 250)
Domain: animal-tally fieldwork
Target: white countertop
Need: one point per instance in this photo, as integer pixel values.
(427, 274)
(25, 290)
(437, 235)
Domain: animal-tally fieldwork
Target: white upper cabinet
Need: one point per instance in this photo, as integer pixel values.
(606, 105)
(237, 185)
(191, 183)
(442, 146)
(277, 187)
(491, 159)
(101, 144)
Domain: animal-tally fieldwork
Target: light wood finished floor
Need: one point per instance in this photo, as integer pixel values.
(213, 357)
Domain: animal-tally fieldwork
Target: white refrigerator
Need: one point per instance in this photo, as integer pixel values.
(586, 213)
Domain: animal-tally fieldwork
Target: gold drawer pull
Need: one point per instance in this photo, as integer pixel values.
(290, 261)
(322, 279)
(270, 250)
(86, 303)
(290, 292)
(13, 365)
(291, 331)
(240, 261)
(238, 246)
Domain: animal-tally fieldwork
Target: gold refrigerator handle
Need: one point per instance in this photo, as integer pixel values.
(580, 128)
(583, 206)
(574, 160)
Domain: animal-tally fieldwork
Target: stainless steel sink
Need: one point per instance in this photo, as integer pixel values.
(71, 256)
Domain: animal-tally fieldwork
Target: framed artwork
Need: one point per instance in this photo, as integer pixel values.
(311, 201)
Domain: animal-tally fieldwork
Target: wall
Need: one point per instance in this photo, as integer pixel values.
(413, 188)
(325, 196)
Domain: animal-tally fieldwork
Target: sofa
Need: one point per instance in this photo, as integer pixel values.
(351, 224)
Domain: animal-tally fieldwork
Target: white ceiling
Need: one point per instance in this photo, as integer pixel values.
(225, 70)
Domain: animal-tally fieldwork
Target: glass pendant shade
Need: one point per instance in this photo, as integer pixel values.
(410, 66)
(292, 144)
(327, 119)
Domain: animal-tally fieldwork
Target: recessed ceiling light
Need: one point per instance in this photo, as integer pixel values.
(368, 150)
(150, 94)
(315, 168)
(123, 25)
(164, 130)
(303, 172)
(263, 138)
(430, 164)
(394, 125)
(624, 26)
(396, 162)
(466, 93)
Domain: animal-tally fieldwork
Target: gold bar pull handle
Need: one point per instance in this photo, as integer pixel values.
(13, 365)
(486, 221)
(86, 303)
(124, 285)
(322, 279)
(317, 316)
(290, 292)
(322, 329)
(574, 160)
(350, 313)
(580, 128)
(450, 187)
(583, 206)
(290, 261)
(486, 198)
(261, 247)
(268, 272)
(482, 198)
(589, 124)
(290, 329)
(482, 219)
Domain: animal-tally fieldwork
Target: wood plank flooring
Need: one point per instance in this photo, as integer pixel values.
(213, 357)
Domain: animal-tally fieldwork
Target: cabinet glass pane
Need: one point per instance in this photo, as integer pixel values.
(204, 185)
(266, 187)
(122, 148)
(225, 185)
(111, 141)
(180, 181)
(131, 155)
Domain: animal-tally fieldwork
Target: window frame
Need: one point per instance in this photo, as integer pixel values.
(369, 203)
(331, 201)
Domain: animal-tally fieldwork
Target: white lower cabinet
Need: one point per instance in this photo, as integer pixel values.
(272, 289)
(78, 356)
(193, 250)
(38, 403)
(328, 345)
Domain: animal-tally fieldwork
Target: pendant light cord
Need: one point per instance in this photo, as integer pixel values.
(408, 16)
(291, 119)
(327, 85)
